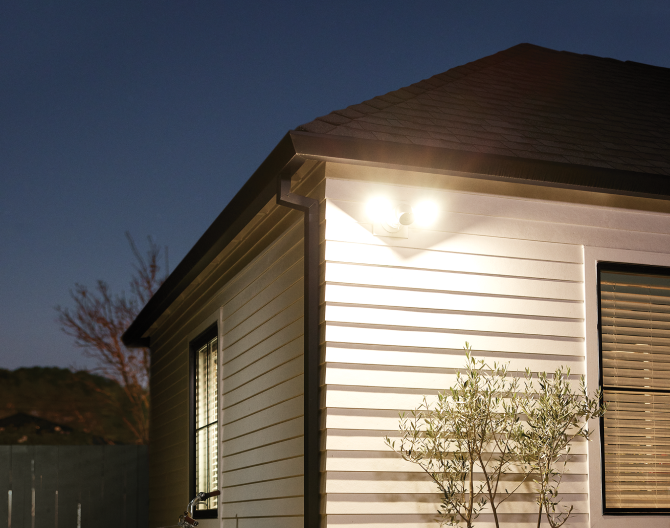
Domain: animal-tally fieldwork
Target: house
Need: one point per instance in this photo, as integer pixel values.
(519, 202)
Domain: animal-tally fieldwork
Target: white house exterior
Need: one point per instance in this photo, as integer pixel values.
(526, 210)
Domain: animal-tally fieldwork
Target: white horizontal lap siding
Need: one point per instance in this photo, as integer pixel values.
(388, 482)
(261, 396)
(443, 281)
(168, 464)
(444, 359)
(506, 275)
(424, 504)
(442, 320)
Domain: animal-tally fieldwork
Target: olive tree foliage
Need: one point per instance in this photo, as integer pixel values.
(488, 430)
(556, 415)
(466, 441)
(98, 319)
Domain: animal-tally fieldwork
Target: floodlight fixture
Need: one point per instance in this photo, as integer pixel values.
(392, 219)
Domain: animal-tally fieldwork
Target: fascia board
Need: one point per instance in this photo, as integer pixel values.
(249, 200)
(325, 147)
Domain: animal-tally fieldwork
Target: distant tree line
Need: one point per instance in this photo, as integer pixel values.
(77, 403)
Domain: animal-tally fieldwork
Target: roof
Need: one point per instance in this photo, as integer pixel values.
(527, 102)
(526, 114)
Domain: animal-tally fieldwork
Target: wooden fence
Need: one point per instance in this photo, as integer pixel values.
(74, 486)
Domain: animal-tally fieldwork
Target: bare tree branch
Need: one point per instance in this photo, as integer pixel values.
(97, 321)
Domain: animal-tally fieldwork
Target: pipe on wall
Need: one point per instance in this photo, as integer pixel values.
(310, 208)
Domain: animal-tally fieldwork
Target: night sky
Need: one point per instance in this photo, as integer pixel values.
(130, 115)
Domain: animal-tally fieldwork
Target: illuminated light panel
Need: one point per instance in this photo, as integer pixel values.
(391, 219)
(425, 213)
(379, 209)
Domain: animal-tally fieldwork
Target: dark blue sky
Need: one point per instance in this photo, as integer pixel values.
(149, 116)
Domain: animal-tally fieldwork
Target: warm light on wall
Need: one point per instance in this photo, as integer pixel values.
(425, 213)
(393, 218)
(379, 209)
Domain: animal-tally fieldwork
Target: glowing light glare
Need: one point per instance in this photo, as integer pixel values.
(379, 209)
(425, 213)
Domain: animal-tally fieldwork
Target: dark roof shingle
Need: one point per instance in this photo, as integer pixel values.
(527, 102)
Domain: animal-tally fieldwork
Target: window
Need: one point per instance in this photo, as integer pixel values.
(635, 377)
(204, 421)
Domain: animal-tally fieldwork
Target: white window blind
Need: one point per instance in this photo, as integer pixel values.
(635, 362)
(206, 423)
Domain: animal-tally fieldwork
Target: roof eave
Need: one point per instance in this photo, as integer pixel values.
(473, 164)
(248, 201)
(296, 146)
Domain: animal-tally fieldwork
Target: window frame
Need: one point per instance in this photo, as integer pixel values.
(194, 346)
(633, 268)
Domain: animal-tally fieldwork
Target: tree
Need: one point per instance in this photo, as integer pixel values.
(472, 429)
(486, 426)
(556, 415)
(97, 321)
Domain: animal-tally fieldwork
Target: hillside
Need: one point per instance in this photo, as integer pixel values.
(72, 400)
